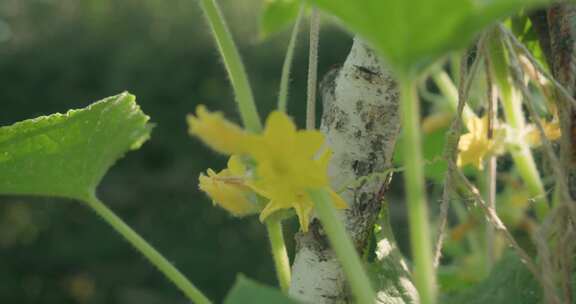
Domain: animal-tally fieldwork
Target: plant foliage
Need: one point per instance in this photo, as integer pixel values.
(66, 155)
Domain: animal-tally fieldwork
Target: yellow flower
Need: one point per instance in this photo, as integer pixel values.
(475, 145)
(302, 204)
(288, 165)
(551, 130)
(228, 188)
(287, 161)
(284, 154)
(218, 133)
(286, 186)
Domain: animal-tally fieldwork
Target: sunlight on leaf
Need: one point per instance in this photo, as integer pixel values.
(66, 155)
(410, 35)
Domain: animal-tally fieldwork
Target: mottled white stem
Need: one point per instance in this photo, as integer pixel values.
(361, 123)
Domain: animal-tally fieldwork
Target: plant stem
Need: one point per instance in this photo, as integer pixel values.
(286, 67)
(491, 173)
(512, 105)
(449, 90)
(521, 154)
(342, 245)
(416, 194)
(312, 70)
(234, 65)
(527, 169)
(279, 253)
(491, 201)
(156, 258)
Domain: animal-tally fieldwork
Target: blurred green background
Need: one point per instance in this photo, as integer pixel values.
(61, 54)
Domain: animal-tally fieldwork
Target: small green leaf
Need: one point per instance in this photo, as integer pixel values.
(277, 15)
(412, 34)
(246, 291)
(66, 155)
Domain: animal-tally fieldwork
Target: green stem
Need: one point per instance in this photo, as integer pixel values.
(521, 153)
(279, 253)
(449, 90)
(527, 169)
(455, 66)
(415, 192)
(342, 245)
(286, 67)
(512, 105)
(149, 252)
(233, 64)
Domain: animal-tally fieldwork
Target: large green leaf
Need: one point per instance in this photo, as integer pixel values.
(66, 155)
(246, 291)
(277, 15)
(411, 34)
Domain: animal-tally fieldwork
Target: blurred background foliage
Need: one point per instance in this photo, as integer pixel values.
(62, 54)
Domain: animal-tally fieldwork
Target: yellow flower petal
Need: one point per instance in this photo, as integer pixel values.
(474, 146)
(309, 142)
(287, 164)
(272, 207)
(338, 202)
(324, 159)
(475, 125)
(236, 165)
(310, 177)
(228, 190)
(303, 211)
(279, 127)
(218, 133)
(551, 130)
(277, 140)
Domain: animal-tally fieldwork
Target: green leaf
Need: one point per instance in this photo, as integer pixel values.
(412, 34)
(246, 291)
(277, 15)
(509, 282)
(66, 155)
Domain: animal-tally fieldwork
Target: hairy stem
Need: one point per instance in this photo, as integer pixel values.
(155, 257)
(287, 66)
(312, 70)
(233, 64)
(279, 253)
